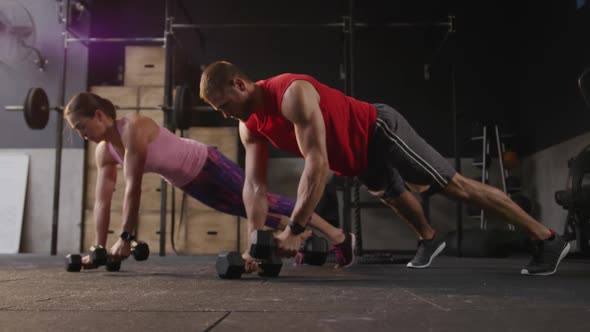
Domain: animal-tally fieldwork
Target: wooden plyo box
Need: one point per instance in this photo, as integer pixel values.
(144, 65)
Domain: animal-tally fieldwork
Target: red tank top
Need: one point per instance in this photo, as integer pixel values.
(349, 123)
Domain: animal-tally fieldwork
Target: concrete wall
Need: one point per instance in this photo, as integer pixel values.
(15, 137)
(547, 173)
(36, 233)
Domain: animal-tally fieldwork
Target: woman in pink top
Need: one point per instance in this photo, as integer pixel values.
(140, 145)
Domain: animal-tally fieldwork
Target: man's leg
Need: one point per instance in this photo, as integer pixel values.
(494, 200)
(399, 156)
(551, 247)
(409, 208)
(429, 245)
(388, 185)
(418, 162)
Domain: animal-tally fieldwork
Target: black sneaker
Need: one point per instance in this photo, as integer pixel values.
(546, 256)
(427, 250)
(345, 251)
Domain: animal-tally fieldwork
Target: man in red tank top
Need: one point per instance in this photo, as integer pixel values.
(373, 142)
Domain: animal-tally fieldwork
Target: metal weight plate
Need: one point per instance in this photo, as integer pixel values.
(36, 108)
(183, 103)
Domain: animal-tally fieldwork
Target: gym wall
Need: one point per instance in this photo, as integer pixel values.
(493, 51)
(554, 49)
(512, 66)
(16, 137)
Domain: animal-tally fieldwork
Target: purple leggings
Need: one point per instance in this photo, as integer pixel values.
(219, 186)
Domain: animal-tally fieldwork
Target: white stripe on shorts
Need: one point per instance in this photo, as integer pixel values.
(411, 153)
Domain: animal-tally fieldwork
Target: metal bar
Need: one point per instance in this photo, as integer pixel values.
(116, 40)
(500, 161)
(402, 24)
(255, 26)
(59, 142)
(346, 73)
(168, 82)
(484, 173)
(148, 108)
(581, 87)
(220, 26)
(74, 34)
(503, 172)
(346, 205)
(454, 124)
(418, 24)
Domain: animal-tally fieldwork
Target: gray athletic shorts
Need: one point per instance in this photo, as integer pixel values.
(397, 154)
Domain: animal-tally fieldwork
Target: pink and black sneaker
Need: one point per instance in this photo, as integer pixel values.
(345, 251)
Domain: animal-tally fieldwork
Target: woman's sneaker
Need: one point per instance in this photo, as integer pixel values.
(345, 251)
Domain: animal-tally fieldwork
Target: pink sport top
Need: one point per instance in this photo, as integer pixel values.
(178, 160)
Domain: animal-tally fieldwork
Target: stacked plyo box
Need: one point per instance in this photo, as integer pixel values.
(202, 230)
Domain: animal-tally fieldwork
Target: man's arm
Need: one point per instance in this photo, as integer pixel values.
(254, 191)
(106, 179)
(135, 141)
(301, 105)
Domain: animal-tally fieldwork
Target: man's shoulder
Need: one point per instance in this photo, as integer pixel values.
(286, 78)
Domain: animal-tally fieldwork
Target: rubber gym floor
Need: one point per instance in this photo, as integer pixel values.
(183, 293)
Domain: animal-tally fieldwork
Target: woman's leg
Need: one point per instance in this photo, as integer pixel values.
(219, 186)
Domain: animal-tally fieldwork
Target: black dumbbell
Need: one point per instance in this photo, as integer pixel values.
(113, 265)
(314, 250)
(230, 265)
(270, 267)
(262, 244)
(98, 257)
(73, 263)
(263, 248)
(140, 250)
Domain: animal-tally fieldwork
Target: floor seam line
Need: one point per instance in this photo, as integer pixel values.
(217, 322)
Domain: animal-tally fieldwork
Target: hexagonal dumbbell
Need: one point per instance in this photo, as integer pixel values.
(270, 267)
(230, 265)
(140, 250)
(262, 244)
(98, 257)
(263, 248)
(113, 265)
(314, 250)
(73, 263)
